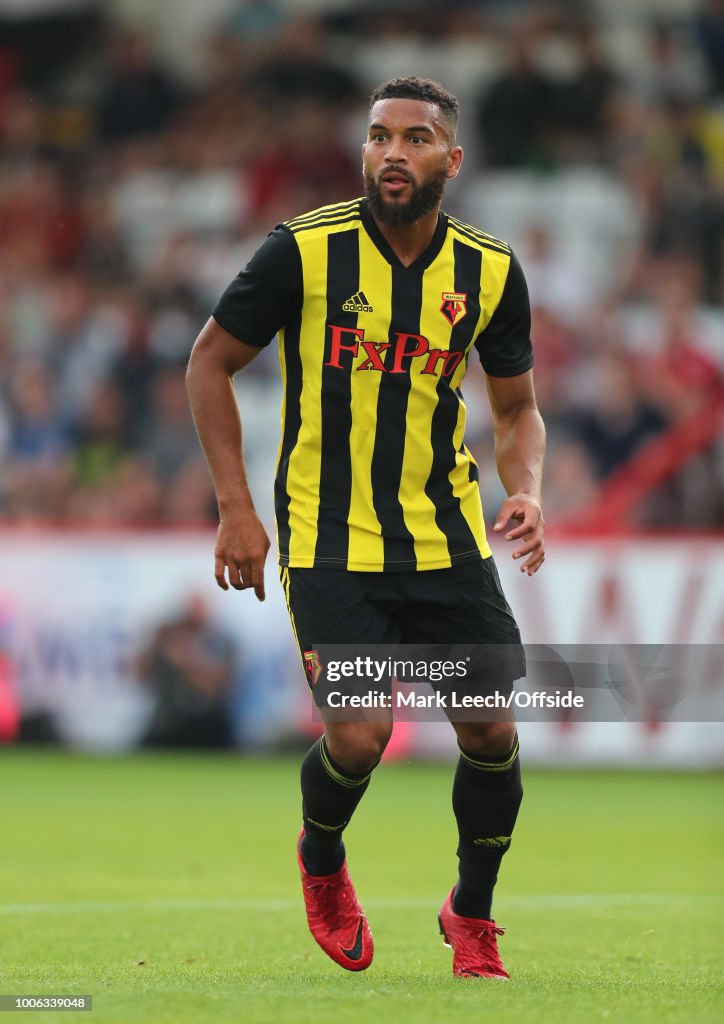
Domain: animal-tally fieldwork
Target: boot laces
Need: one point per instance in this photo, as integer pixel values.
(333, 901)
(482, 948)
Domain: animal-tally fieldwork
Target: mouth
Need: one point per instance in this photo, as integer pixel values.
(396, 181)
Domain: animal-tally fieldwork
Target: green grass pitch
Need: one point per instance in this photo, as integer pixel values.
(166, 887)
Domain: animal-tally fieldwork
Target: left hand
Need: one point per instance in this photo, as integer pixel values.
(526, 511)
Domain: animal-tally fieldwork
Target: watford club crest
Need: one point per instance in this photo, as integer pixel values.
(454, 306)
(313, 666)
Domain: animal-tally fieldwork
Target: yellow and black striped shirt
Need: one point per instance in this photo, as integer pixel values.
(373, 472)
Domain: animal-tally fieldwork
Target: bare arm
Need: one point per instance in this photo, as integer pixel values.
(519, 451)
(242, 543)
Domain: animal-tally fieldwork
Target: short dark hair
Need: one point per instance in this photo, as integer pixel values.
(414, 88)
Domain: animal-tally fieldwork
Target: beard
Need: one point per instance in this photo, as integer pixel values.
(423, 199)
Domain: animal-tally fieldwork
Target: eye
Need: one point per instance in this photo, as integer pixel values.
(378, 137)
(416, 139)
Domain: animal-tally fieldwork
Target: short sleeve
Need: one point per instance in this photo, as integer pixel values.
(266, 294)
(504, 345)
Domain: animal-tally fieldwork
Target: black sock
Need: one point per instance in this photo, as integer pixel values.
(329, 798)
(486, 797)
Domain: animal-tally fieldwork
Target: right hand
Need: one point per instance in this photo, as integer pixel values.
(241, 549)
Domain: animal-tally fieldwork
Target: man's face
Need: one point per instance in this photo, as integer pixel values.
(408, 157)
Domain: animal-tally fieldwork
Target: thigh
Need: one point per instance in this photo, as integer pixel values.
(465, 605)
(331, 606)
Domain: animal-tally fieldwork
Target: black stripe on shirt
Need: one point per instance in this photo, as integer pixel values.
(335, 484)
(448, 514)
(292, 423)
(389, 448)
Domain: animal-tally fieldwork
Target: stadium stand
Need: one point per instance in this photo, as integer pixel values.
(138, 174)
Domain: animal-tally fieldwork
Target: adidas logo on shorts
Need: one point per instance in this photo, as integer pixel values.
(358, 303)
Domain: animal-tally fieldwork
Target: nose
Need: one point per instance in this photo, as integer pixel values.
(395, 154)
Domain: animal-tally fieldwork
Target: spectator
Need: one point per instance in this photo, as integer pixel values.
(570, 484)
(709, 25)
(515, 112)
(581, 102)
(619, 422)
(688, 218)
(38, 434)
(38, 453)
(555, 283)
(188, 667)
(138, 97)
(676, 372)
(82, 341)
(294, 156)
(102, 436)
(41, 209)
(674, 73)
(299, 68)
(169, 439)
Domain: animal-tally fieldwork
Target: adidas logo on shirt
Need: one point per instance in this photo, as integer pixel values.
(358, 303)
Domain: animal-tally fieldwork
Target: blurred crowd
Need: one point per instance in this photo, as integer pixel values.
(133, 188)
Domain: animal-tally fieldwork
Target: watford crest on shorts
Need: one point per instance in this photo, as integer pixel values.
(454, 306)
(313, 666)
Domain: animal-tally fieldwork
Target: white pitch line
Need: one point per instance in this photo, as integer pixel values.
(559, 901)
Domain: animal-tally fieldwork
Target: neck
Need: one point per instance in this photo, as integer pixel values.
(409, 241)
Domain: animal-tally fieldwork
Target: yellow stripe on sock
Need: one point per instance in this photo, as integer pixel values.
(327, 828)
(334, 774)
(492, 766)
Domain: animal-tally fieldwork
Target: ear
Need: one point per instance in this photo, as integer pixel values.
(454, 159)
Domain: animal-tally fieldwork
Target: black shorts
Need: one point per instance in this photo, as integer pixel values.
(462, 605)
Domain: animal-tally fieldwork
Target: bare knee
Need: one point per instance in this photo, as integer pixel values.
(357, 746)
(492, 738)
